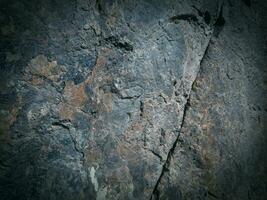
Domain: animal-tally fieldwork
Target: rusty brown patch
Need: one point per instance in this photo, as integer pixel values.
(129, 153)
(40, 68)
(74, 95)
(66, 111)
(208, 152)
(74, 98)
(101, 62)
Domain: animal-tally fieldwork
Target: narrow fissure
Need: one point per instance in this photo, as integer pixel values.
(155, 193)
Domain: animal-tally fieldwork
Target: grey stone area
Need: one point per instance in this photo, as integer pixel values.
(133, 99)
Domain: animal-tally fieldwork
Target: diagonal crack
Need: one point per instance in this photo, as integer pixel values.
(156, 193)
(67, 127)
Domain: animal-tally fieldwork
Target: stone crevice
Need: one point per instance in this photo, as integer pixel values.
(155, 193)
(67, 127)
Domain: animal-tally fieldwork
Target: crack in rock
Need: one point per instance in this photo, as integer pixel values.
(67, 127)
(155, 193)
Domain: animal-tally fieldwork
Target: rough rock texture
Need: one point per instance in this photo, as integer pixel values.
(220, 153)
(113, 99)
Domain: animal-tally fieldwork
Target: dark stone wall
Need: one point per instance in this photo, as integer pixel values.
(122, 99)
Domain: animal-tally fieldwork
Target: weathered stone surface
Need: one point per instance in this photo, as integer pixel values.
(221, 148)
(103, 99)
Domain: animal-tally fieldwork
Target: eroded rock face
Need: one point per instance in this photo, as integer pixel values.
(132, 100)
(221, 147)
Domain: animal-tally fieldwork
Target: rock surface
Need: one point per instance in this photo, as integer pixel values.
(109, 99)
